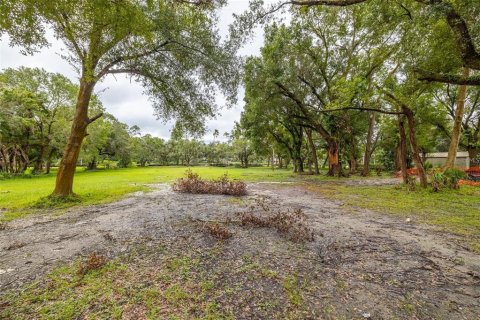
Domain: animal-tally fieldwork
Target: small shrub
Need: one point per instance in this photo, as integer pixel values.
(192, 183)
(217, 231)
(450, 178)
(411, 183)
(453, 177)
(438, 181)
(93, 262)
(427, 165)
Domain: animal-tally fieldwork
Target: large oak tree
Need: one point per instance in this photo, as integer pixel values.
(170, 46)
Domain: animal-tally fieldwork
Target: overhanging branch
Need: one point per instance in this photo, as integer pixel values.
(424, 75)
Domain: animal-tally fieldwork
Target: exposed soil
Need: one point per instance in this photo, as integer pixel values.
(361, 264)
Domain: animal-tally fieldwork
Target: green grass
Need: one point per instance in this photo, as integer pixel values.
(18, 196)
(457, 211)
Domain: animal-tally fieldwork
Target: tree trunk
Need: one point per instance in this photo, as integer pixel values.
(334, 167)
(300, 165)
(313, 150)
(368, 146)
(415, 151)
(38, 167)
(48, 163)
(402, 149)
(66, 170)
(353, 164)
(92, 165)
(457, 125)
(473, 154)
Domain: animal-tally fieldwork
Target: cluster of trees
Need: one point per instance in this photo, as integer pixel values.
(354, 78)
(36, 110)
(351, 80)
(35, 113)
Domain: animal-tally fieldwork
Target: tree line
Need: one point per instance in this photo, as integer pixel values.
(37, 108)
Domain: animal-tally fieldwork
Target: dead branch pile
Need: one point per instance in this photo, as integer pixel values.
(192, 183)
(290, 222)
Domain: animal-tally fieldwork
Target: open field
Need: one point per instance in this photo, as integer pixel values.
(17, 196)
(456, 211)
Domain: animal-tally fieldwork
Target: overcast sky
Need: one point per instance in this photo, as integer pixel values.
(124, 99)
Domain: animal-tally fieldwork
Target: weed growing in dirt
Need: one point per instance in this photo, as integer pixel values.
(94, 261)
(192, 183)
(289, 222)
(217, 231)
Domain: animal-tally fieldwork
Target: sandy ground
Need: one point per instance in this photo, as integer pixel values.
(369, 265)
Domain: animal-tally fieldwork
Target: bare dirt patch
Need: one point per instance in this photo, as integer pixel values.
(359, 264)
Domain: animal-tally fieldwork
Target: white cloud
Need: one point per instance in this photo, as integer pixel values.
(124, 98)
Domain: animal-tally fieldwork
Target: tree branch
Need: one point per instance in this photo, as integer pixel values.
(333, 3)
(90, 120)
(424, 75)
(106, 69)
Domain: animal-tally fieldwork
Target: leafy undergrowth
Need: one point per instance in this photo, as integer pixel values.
(456, 211)
(54, 201)
(192, 183)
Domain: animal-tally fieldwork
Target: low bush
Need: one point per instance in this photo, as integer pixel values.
(192, 183)
(450, 178)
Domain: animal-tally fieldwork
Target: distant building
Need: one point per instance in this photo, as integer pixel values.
(438, 159)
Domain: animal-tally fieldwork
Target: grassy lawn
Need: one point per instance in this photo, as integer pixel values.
(18, 195)
(457, 211)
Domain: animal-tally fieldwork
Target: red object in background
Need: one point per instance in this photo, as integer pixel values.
(410, 172)
(473, 170)
(468, 183)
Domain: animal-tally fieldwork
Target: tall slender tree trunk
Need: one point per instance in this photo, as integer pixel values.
(415, 151)
(48, 163)
(457, 125)
(66, 170)
(300, 165)
(273, 158)
(38, 167)
(313, 149)
(402, 149)
(368, 146)
(353, 164)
